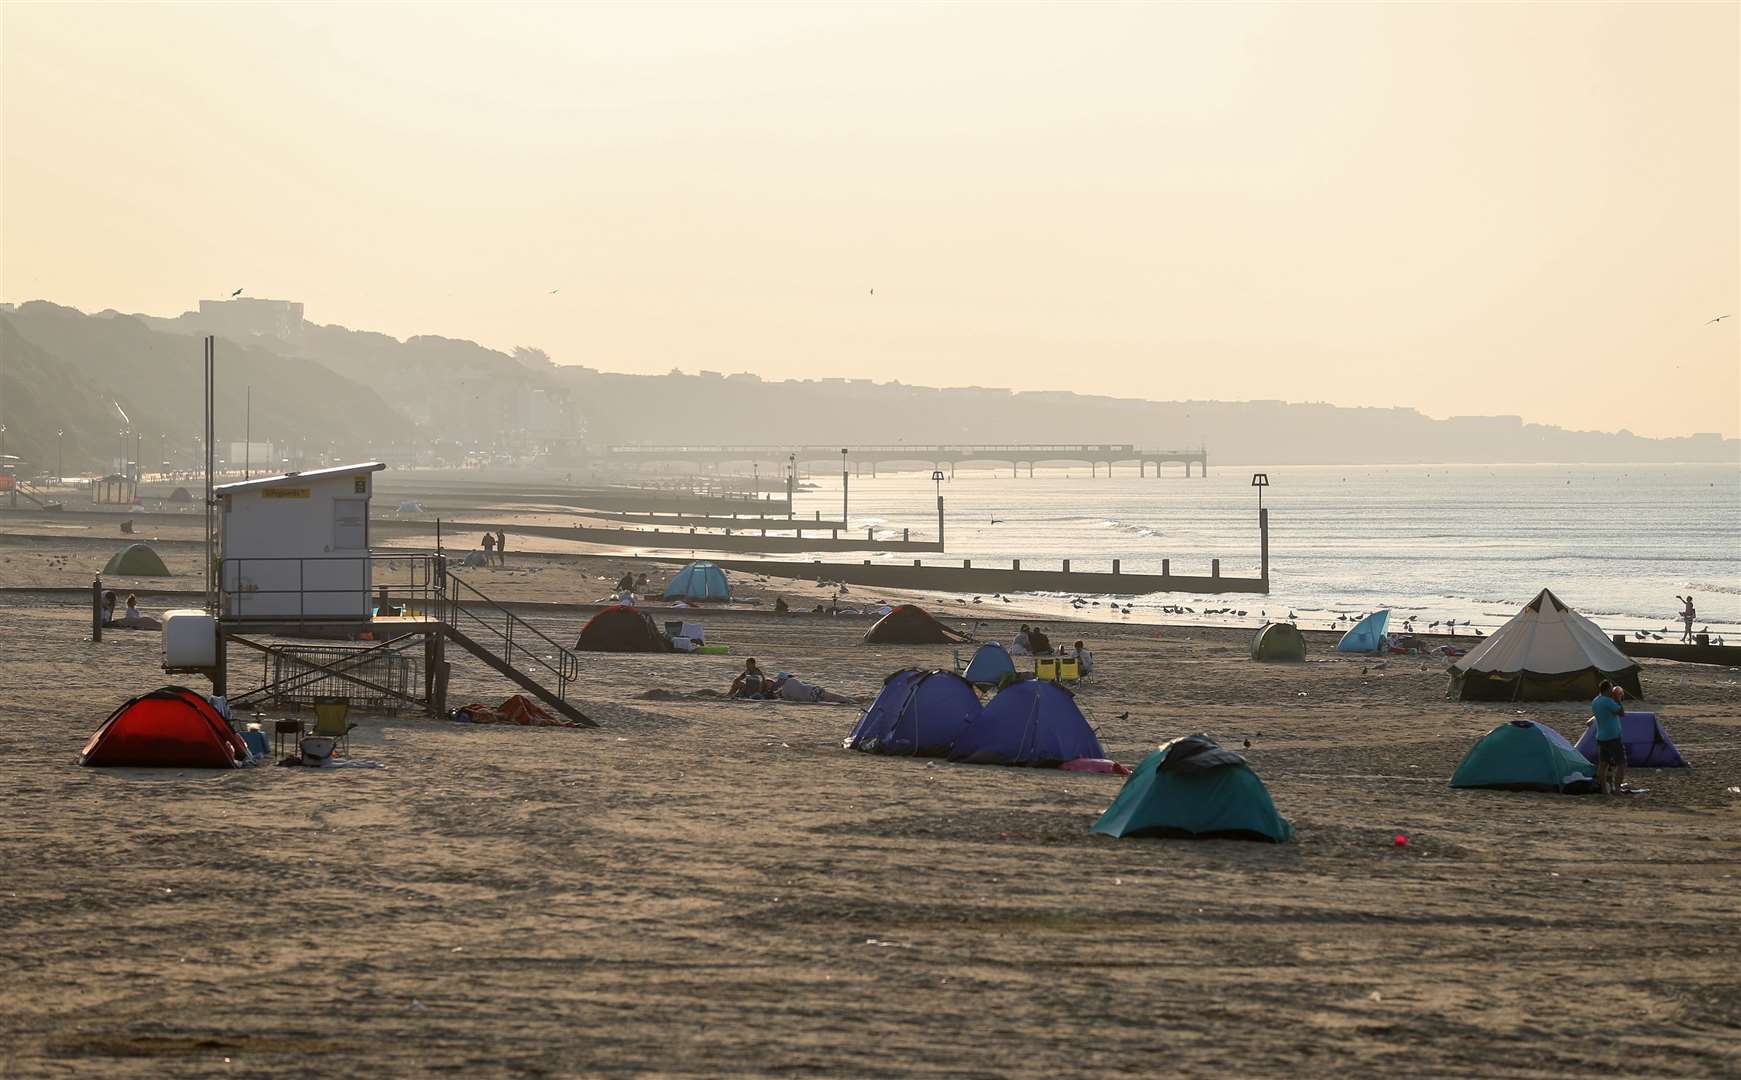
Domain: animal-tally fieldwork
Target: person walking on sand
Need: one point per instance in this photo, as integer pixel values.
(501, 548)
(489, 548)
(1688, 614)
(1610, 748)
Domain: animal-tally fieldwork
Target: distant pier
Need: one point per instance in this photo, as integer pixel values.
(939, 456)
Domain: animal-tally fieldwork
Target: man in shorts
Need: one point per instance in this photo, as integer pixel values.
(1610, 750)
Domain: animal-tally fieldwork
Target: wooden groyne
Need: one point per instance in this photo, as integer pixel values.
(697, 541)
(967, 578)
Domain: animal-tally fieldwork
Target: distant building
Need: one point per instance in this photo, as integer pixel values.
(241, 318)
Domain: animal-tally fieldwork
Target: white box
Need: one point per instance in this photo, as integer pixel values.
(190, 639)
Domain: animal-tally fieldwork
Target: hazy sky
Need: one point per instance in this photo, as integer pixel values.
(1468, 209)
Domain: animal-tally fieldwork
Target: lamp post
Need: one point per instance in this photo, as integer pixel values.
(791, 482)
(59, 458)
(843, 484)
(1261, 481)
(937, 479)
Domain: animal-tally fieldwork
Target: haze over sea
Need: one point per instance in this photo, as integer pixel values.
(1437, 542)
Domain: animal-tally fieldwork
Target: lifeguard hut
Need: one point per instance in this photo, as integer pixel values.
(296, 546)
(291, 561)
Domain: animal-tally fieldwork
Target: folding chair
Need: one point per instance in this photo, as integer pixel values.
(330, 718)
(1046, 668)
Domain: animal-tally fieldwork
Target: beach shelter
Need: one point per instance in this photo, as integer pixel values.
(409, 506)
(918, 713)
(1522, 755)
(1278, 641)
(171, 728)
(1028, 723)
(1546, 652)
(136, 560)
(620, 628)
(1192, 787)
(699, 581)
(911, 625)
(1367, 635)
(1642, 736)
(990, 664)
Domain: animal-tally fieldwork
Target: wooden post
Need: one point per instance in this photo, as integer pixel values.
(967, 564)
(1066, 566)
(1115, 566)
(1166, 567)
(1015, 564)
(96, 609)
(1263, 543)
(1214, 567)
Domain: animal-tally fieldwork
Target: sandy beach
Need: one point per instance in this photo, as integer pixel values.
(702, 887)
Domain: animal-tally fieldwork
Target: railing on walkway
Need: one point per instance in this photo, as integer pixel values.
(280, 587)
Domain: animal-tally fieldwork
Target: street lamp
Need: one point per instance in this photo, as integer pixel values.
(791, 482)
(1260, 481)
(843, 483)
(937, 479)
(59, 459)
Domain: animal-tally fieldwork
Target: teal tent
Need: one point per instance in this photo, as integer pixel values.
(1278, 641)
(1522, 755)
(1192, 787)
(699, 581)
(136, 560)
(1367, 636)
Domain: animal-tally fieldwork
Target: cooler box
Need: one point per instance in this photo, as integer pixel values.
(190, 640)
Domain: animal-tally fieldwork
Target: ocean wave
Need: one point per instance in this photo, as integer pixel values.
(1132, 528)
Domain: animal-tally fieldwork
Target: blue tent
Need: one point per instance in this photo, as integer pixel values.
(1367, 636)
(1642, 737)
(1028, 723)
(1192, 787)
(990, 664)
(919, 713)
(699, 581)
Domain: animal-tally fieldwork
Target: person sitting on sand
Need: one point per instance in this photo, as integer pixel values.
(780, 605)
(641, 583)
(628, 582)
(1084, 658)
(108, 607)
(1038, 643)
(787, 688)
(1023, 645)
(750, 683)
(133, 619)
(1610, 749)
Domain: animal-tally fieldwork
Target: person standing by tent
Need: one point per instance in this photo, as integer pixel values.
(501, 548)
(1610, 748)
(489, 548)
(1688, 614)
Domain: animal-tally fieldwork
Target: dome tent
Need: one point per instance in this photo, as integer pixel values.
(170, 728)
(699, 581)
(136, 560)
(1028, 723)
(620, 628)
(1278, 641)
(1522, 755)
(1367, 635)
(1192, 787)
(918, 713)
(911, 625)
(1644, 740)
(991, 663)
(1546, 652)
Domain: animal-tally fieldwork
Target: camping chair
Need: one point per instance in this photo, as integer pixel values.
(1069, 669)
(1046, 668)
(331, 718)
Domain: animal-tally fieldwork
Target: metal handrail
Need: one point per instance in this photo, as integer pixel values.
(567, 667)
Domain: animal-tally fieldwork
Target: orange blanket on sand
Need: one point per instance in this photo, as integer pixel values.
(518, 710)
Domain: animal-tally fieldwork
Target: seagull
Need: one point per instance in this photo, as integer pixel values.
(238, 292)
(1719, 318)
(552, 292)
(1124, 716)
(997, 521)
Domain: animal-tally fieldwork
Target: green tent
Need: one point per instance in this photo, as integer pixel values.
(1522, 755)
(1278, 641)
(1192, 787)
(136, 560)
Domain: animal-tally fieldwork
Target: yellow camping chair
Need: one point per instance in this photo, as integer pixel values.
(1069, 669)
(1046, 668)
(331, 718)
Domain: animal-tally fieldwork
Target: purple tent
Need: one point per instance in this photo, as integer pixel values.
(1647, 744)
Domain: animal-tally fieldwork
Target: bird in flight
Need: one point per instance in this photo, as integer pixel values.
(238, 292)
(1719, 318)
(553, 292)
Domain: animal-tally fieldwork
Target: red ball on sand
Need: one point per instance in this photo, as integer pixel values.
(1400, 840)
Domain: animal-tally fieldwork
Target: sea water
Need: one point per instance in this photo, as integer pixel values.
(1433, 543)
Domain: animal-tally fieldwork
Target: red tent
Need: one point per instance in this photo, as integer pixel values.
(621, 628)
(171, 728)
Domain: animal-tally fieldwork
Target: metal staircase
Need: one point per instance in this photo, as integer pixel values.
(511, 646)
